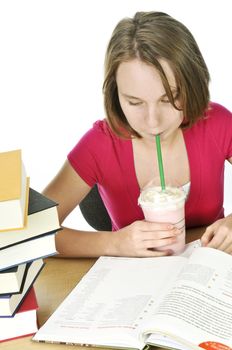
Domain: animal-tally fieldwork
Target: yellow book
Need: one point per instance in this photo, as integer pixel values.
(14, 191)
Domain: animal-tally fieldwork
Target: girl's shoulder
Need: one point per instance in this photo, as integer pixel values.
(218, 122)
(102, 127)
(215, 124)
(216, 112)
(215, 129)
(216, 117)
(97, 139)
(100, 131)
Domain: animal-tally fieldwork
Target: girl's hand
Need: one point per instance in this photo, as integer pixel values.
(143, 239)
(219, 235)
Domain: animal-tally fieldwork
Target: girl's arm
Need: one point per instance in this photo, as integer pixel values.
(219, 234)
(68, 189)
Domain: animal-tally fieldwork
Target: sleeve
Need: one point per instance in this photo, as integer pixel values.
(87, 156)
(228, 134)
(222, 130)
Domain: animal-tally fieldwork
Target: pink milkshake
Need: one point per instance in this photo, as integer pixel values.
(165, 206)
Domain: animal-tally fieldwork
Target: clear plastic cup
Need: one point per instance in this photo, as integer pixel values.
(165, 206)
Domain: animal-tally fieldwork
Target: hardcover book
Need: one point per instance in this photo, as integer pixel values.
(42, 219)
(10, 303)
(24, 322)
(28, 251)
(178, 302)
(14, 187)
(11, 279)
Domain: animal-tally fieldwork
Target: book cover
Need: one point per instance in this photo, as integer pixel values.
(42, 219)
(14, 186)
(8, 293)
(39, 247)
(39, 202)
(10, 175)
(9, 304)
(11, 279)
(24, 322)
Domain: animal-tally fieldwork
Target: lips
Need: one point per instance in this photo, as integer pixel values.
(154, 134)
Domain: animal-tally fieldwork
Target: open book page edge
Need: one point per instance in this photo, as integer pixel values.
(173, 341)
(95, 343)
(145, 347)
(190, 247)
(49, 333)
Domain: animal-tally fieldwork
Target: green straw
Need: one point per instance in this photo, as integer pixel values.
(160, 161)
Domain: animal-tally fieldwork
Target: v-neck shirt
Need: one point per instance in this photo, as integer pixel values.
(103, 158)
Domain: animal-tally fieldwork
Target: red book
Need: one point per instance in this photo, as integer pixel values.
(23, 323)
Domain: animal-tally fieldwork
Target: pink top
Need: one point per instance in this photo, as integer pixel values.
(102, 157)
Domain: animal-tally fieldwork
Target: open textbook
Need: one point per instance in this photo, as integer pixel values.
(178, 302)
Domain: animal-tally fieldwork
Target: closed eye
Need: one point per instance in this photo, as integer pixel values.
(166, 100)
(134, 103)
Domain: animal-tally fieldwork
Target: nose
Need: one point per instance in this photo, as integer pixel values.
(152, 117)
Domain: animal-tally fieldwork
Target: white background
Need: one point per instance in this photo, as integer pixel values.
(51, 71)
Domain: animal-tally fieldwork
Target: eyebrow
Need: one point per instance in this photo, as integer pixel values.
(130, 96)
(173, 90)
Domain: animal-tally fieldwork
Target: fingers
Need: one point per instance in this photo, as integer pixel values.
(157, 243)
(218, 236)
(147, 238)
(207, 236)
(153, 226)
(221, 240)
(150, 253)
(160, 235)
(156, 235)
(144, 239)
(221, 243)
(226, 246)
(157, 230)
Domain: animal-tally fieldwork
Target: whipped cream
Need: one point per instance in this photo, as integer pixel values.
(156, 198)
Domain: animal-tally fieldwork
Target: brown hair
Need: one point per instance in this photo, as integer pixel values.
(151, 36)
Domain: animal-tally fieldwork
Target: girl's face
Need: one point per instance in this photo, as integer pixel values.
(144, 101)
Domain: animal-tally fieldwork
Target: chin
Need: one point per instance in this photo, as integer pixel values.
(148, 137)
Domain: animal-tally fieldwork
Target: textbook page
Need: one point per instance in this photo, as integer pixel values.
(111, 301)
(198, 307)
(190, 247)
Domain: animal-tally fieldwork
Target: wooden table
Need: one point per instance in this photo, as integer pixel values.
(56, 280)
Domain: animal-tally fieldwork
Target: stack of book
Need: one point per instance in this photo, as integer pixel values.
(28, 223)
